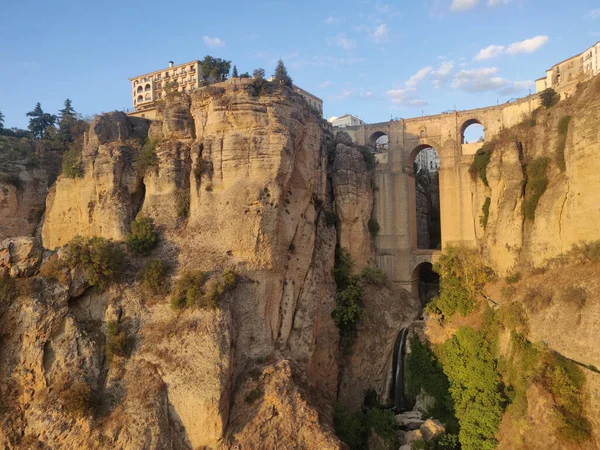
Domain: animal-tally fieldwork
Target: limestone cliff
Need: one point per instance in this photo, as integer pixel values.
(235, 179)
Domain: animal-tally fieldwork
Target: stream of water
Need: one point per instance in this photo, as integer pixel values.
(399, 400)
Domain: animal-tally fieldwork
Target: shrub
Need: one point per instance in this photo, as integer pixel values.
(564, 380)
(259, 86)
(424, 373)
(254, 395)
(188, 289)
(383, 422)
(513, 316)
(331, 219)
(462, 275)
(536, 183)
(536, 299)
(117, 342)
(573, 295)
(155, 277)
(368, 156)
(75, 396)
(563, 130)
(72, 166)
(212, 296)
(513, 278)
(475, 387)
(142, 238)
(485, 212)
(100, 259)
(480, 162)
(350, 427)
(11, 179)
(373, 227)
(373, 275)
(549, 98)
(229, 278)
(146, 157)
(183, 202)
(54, 269)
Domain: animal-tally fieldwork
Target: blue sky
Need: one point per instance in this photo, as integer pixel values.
(374, 59)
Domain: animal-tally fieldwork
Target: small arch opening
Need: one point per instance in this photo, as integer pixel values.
(140, 98)
(140, 89)
(472, 132)
(379, 140)
(147, 88)
(148, 97)
(427, 283)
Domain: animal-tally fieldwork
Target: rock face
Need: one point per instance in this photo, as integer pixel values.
(353, 191)
(427, 198)
(567, 212)
(369, 365)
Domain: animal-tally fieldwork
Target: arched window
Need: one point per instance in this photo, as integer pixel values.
(379, 140)
(140, 89)
(472, 131)
(140, 98)
(158, 85)
(135, 83)
(148, 97)
(148, 87)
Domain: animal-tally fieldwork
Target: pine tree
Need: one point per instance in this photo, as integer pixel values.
(67, 120)
(235, 72)
(40, 122)
(281, 76)
(1, 121)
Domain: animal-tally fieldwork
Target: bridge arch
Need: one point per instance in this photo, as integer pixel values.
(425, 282)
(377, 138)
(468, 123)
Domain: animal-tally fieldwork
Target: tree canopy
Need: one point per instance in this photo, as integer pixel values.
(40, 122)
(281, 76)
(234, 74)
(258, 73)
(216, 68)
(1, 120)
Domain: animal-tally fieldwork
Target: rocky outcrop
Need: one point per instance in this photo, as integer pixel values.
(567, 212)
(353, 190)
(19, 257)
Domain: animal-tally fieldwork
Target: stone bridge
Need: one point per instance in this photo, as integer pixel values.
(395, 195)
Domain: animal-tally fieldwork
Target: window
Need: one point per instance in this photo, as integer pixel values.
(148, 97)
(140, 89)
(148, 87)
(140, 98)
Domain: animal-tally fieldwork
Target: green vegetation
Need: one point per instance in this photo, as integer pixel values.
(72, 166)
(154, 277)
(573, 295)
(183, 202)
(442, 442)
(143, 238)
(193, 289)
(100, 259)
(475, 387)
(259, 86)
(40, 122)
(373, 275)
(513, 278)
(1, 121)
(480, 162)
(424, 372)
(462, 275)
(146, 157)
(513, 316)
(53, 269)
(368, 156)
(215, 68)
(485, 212)
(331, 218)
(549, 98)
(354, 428)
(535, 185)
(563, 130)
(348, 298)
(254, 395)
(281, 75)
(234, 73)
(373, 226)
(117, 341)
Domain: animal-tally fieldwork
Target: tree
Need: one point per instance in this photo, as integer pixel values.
(259, 73)
(234, 74)
(281, 76)
(549, 97)
(1, 121)
(216, 68)
(245, 75)
(40, 122)
(67, 119)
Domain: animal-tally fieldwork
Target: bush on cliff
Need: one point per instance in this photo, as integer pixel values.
(72, 166)
(354, 428)
(143, 238)
(536, 183)
(100, 259)
(154, 277)
(368, 156)
(549, 98)
(193, 289)
(563, 130)
(373, 275)
(480, 163)
(485, 212)
(373, 226)
(145, 157)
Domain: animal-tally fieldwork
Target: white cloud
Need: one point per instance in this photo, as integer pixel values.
(442, 74)
(593, 14)
(213, 41)
(463, 5)
(343, 95)
(490, 52)
(493, 3)
(479, 80)
(381, 33)
(528, 45)
(526, 84)
(365, 94)
(418, 102)
(342, 41)
(331, 20)
(398, 96)
(417, 77)
(326, 84)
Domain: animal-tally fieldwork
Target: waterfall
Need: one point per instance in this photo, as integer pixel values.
(399, 400)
